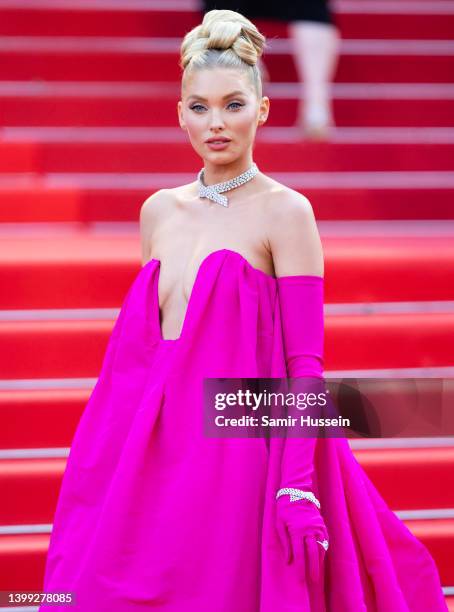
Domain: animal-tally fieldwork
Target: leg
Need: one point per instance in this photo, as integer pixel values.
(315, 46)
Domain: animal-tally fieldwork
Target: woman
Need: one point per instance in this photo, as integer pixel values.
(152, 513)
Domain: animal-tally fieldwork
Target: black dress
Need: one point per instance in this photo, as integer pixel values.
(281, 10)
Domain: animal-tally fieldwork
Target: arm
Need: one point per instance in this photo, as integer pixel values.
(301, 306)
(298, 259)
(298, 262)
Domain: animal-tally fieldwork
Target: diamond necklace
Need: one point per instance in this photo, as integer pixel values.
(213, 192)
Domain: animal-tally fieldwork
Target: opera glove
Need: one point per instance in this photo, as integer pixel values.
(299, 521)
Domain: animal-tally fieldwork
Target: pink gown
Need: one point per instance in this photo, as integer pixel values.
(153, 515)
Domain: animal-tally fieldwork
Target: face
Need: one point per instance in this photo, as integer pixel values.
(222, 103)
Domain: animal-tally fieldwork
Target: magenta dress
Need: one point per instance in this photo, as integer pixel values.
(153, 515)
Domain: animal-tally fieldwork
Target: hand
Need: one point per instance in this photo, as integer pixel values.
(299, 526)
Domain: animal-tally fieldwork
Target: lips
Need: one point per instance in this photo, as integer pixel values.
(221, 139)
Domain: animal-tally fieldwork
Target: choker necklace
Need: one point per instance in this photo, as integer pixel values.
(213, 192)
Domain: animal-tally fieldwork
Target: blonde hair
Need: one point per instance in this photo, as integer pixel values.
(224, 39)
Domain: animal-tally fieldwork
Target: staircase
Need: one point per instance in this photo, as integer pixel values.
(88, 130)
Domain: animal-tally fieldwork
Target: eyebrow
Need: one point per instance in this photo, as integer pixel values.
(229, 95)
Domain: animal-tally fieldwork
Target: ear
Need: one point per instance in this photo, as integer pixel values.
(180, 115)
(264, 110)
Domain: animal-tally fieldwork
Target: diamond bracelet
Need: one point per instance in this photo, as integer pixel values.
(298, 494)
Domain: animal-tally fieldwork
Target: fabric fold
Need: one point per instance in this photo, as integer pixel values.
(153, 514)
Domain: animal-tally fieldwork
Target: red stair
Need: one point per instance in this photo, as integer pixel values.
(88, 130)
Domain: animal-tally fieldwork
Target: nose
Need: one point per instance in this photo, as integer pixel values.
(216, 119)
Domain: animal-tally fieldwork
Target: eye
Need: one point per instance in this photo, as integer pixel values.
(195, 107)
(238, 105)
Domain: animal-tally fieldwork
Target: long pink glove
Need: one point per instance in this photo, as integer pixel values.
(300, 524)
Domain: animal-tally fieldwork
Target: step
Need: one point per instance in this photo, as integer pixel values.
(398, 475)
(384, 19)
(41, 409)
(75, 348)
(97, 104)
(114, 245)
(79, 268)
(24, 480)
(354, 19)
(438, 536)
(22, 561)
(22, 557)
(355, 342)
(135, 59)
(113, 19)
(114, 197)
(161, 156)
(42, 402)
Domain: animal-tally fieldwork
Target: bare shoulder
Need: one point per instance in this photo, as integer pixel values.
(154, 204)
(293, 234)
(156, 210)
(158, 203)
(152, 211)
(285, 205)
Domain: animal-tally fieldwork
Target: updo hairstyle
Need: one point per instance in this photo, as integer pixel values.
(224, 39)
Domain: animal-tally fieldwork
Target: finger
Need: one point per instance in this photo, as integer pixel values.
(285, 541)
(313, 557)
(299, 553)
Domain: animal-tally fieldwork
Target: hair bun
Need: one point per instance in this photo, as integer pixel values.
(224, 29)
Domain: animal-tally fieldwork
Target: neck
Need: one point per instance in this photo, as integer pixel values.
(219, 174)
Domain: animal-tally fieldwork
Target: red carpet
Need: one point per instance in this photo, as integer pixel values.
(88, 130)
